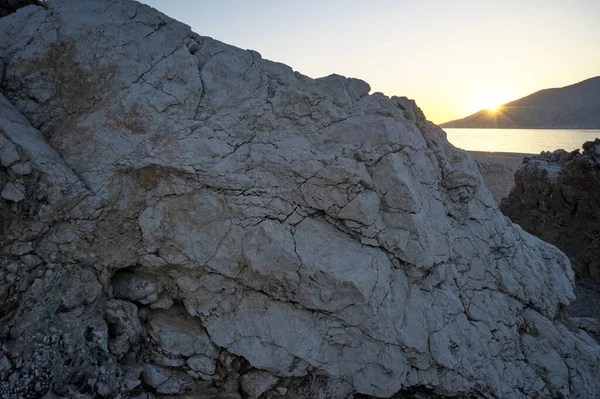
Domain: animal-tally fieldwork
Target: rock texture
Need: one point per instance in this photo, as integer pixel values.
(576, 106)
(556, 198)
(182, 218)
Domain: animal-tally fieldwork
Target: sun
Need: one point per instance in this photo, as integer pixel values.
(491, 102)
(493, 108)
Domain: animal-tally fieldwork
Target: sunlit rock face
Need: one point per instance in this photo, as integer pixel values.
(180, 215)
(556, 198)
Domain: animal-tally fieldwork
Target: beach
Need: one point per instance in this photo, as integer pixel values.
(498, 169)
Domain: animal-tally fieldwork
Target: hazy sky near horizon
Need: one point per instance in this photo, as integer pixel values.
(453, 57)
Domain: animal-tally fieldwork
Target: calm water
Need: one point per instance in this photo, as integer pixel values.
(531, 141)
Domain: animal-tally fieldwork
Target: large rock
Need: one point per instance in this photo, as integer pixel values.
(556, 198)
(260, 220)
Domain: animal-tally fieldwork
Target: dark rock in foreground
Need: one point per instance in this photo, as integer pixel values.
(557, 198)
(7, 7)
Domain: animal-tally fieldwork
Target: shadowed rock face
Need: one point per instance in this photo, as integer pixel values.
(180, 215)
(556, 198)
(7, 7)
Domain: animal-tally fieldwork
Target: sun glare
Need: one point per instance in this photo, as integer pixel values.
(488, 101)
(493, 108)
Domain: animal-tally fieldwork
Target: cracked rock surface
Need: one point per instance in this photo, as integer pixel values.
(186, 219)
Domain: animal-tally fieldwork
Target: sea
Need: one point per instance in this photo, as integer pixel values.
(528, 141)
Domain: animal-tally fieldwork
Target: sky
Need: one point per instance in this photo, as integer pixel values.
(454, 57)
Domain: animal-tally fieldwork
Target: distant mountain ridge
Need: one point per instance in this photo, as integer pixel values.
(571, 107)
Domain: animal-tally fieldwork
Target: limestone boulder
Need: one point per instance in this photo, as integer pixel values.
(265, 225)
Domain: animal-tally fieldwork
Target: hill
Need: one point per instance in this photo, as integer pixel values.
(572, 107)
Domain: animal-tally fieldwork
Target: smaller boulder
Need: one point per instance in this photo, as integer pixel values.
(166, 380)
(14, 191)
(179, 334)
(202, 364)
(83, 290)
(136, 287)
(256, 382)
(123, 325)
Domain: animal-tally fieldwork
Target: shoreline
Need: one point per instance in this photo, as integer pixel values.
(500, 153)
(511, 160)
(498, 170)
(522, 128)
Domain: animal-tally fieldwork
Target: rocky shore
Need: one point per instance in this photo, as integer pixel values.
(556, 198)
(182, 218)
(498, 171)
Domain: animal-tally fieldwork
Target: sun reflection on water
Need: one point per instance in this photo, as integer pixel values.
(528, 141)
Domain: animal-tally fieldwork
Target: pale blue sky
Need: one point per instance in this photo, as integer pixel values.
(453, 57)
